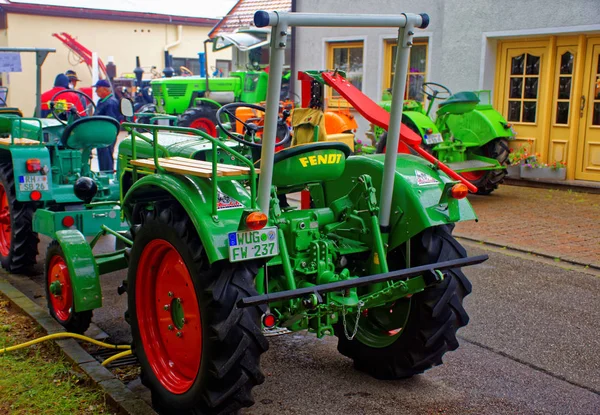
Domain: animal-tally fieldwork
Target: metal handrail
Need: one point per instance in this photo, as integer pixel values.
(20, 128)
(216, 143)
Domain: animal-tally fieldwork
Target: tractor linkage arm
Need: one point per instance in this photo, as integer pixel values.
(381, 118)
(427, 271)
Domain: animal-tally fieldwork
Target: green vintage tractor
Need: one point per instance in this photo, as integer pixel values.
(471, 137)
(216, 261)
(46, 183)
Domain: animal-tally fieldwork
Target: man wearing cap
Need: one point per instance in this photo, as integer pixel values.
(72, 75)
(61, 83)
(108, 106)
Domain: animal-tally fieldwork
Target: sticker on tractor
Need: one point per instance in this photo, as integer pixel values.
(245, 245)
(433, 139)
(320, 159)
(227, 202)
(31, 182)
(424, 179)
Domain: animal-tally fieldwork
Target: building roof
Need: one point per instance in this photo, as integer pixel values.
(91, 10)
(242, 14)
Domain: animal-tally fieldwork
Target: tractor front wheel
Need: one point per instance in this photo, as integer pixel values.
(201, 118)
(488, 180)
(412, 334)
(59, 292)
(198, 352)
(18, 242)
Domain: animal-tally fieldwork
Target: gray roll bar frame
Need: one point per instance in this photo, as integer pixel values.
(280, 22)
(40, 57)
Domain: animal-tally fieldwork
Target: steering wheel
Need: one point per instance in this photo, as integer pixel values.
(252, 131)
(72, 109)
(433, 90)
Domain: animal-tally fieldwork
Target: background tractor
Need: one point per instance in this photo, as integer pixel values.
(471, 137)
(216, 261)
(46, 183)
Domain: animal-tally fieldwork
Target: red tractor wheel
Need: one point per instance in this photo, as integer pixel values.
(59, 292)
(201, 118)
(198, 352)
(488, 180)
(18, 242)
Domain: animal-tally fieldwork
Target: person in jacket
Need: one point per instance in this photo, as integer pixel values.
(73, 79)
(108, 106)
(61, 83)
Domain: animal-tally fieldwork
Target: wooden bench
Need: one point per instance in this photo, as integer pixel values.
(192, 167)
(7, 141)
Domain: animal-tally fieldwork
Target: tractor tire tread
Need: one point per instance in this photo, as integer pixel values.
(24, 242)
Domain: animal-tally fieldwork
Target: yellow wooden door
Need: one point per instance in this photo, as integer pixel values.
(522, 98)
(563, 121)
(588, 151)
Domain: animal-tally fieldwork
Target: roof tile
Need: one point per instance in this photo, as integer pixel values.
(242, 14)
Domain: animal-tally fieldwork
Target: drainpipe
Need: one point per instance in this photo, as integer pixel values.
(168, 71)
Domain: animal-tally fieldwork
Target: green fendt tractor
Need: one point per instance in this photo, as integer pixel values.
(471, 137)
(46, 183)
(216, 261)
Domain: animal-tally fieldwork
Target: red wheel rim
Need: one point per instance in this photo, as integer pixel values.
(168, 316)
(5, 225)
(473, 175)
(59, 288)
(205, 125)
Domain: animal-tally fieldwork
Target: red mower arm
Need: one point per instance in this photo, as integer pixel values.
(381, 118)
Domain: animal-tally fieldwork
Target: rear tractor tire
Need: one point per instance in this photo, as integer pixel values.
(198, 352)
(201, 118)
(18, 242)
(412, 334)
(488, 180)
(59, 292)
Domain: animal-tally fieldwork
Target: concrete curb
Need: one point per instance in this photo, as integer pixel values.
(114, 390)
(525, 251)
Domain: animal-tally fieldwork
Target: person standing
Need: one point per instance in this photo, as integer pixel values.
(61, 83)
(73, 79)
(108, 106)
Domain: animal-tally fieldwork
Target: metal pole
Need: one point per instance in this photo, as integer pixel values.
(278, 43)
(40, 57)
(389, 170)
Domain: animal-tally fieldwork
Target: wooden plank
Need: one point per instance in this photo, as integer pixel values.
(19, 141)
(227, 169)
(193, 171)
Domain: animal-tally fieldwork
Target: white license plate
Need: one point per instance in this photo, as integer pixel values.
(245, 245)
(31, 182)
(433, 139)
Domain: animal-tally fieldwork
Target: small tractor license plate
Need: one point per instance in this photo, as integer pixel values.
(433, 139)
(31, 182)
(246, 245)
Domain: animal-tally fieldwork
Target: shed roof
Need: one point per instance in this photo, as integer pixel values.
(107, 10)
(242, 14)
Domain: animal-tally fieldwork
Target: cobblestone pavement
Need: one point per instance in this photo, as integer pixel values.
(557, 223)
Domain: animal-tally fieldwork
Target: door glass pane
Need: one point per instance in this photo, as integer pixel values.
(562, 113)
(596, 115)
(564, 87)
(597, 91)
(533, 65)
(529, 109)
(514, 111)
(516, 67)
(531, 87)
(394, 50)
(566, 64)
(340, 59)
(516, 88)
(418, 58)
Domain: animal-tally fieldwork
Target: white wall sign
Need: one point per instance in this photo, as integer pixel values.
(10, 62)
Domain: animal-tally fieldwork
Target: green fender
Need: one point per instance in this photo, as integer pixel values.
(18, 155)
(83, 270)
(479, 127)
(208, 102)
(195, 195)
(421, 121)
(420, 194)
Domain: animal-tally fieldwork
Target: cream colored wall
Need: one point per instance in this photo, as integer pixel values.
(122, 40)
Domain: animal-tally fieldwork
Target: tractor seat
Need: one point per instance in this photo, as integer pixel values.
(458, 103)
(309, 163)
(90, 132)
